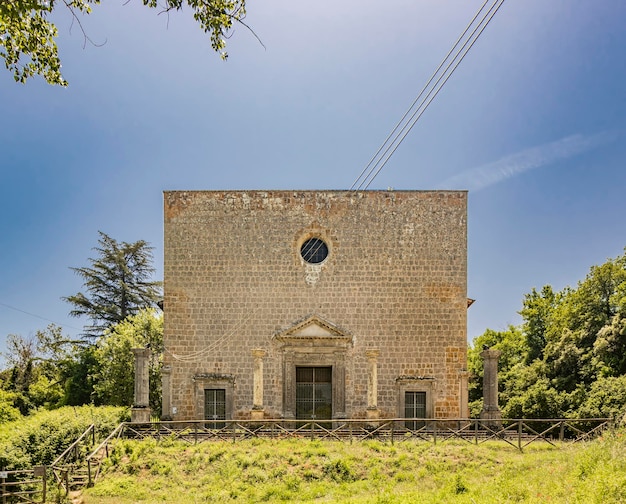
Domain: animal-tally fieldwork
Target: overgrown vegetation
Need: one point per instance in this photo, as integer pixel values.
(120, 301)
(40, 438)
(364, 472)
(568, 357)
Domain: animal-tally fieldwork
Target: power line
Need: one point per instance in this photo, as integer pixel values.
(207, 350)
(38, 316)
(462, 46)
(432, 87)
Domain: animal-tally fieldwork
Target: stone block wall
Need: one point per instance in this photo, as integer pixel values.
(394, 280)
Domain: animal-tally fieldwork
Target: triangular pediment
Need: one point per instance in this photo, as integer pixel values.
(316, 328)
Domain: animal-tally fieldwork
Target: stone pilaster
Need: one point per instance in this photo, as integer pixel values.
(372, 383)
(257, 412)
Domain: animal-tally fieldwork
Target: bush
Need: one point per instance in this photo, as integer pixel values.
(605, 399)
(39, 438)
(8, 412)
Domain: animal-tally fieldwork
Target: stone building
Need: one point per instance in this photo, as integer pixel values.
(315, 304)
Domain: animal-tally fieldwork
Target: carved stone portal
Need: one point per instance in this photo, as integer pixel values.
(314, 341)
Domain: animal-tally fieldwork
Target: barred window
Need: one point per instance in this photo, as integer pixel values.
(314, 251)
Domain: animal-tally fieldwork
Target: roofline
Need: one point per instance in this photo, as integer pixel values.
(345, 191)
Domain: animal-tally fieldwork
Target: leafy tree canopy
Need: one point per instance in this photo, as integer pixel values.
(568, 357)
(28, 36)
(118, 284)
(114, 379)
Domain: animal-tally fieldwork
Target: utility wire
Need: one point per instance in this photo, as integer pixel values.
(462, 46)
(204, 352)
(418, 113)
(418, 96)
(37, 316)
(378, 161)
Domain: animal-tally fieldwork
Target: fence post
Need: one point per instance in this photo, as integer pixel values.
(519, 434)
(435, 432)
(476, 431)
(3, 487)
(43, 484)
(562, 431)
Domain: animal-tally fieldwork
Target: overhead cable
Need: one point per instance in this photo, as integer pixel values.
(428, 93)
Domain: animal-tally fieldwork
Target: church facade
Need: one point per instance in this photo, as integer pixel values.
(315, 304)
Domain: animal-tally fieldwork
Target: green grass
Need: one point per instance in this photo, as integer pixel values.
(362, 472)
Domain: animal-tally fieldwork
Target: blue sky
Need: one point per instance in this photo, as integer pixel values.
(532, 123)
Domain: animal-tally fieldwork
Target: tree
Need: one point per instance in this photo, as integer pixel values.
(41, 370)
(512, 345)
(584, 339)
(570, 357)
(118, 284)
(27, 36)
(115, 379)
(606, 399)
(65, 366)
(536, 312)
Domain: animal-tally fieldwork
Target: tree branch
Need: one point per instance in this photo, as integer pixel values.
(76, 19)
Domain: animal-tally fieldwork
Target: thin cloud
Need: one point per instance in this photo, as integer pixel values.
(529, 159)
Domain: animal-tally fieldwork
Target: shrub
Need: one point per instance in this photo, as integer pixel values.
(39, 438)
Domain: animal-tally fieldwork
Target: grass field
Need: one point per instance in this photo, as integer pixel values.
(362, 472)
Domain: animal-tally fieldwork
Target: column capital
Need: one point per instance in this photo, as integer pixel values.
(258, 353)
(372, 353)
(141, 352)
(489, 354)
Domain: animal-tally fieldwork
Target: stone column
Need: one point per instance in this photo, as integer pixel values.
(372, 383)
(140, 412)
(491, 412)
(166, 393)
(257, 412)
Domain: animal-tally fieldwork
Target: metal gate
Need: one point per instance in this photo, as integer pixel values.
(314, 389)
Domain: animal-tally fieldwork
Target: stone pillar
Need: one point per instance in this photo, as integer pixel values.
(140, 412)
(491, 412)
(372, 383)
(257, 412)
(166, 393)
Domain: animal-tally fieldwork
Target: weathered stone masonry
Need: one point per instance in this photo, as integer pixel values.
(382, 317)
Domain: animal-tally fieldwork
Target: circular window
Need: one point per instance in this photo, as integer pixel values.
(314, 251)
